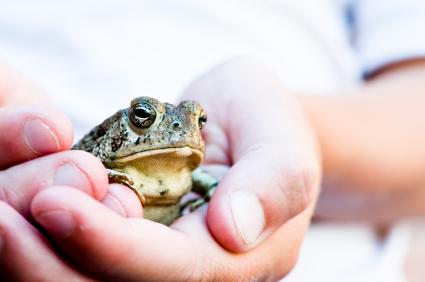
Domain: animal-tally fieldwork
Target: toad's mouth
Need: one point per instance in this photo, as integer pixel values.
(179, 152)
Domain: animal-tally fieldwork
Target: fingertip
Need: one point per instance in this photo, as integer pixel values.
(94, 170)
(32, 132)
(248, 207)
(50, 199)
(236, 217)
(77, 169)
(221, 224)
(96, 237)
(81, 170)
(220, 216)
(58, 210)
(61, 126)
(65, 198)
(123, 201)
(46, 129)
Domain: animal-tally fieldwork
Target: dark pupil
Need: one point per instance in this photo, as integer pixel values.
(142, 116)
(141, 113)
(202, 120)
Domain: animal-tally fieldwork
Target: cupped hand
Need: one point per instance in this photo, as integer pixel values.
(34, 138)
(257, 128)
(255, 222)
(34, 142)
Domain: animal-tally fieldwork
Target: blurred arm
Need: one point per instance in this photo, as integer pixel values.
(373, 146)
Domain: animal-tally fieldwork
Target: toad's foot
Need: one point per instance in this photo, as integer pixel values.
(120, 177)
(204, 184)
(193, 204)
(125, 179)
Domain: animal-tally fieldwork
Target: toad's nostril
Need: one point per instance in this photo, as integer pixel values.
(176, 124)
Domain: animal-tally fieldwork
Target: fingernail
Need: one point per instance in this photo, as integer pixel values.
(58, 222)
(70, 175)
(40, 138)
(112, 202)
(248, 215)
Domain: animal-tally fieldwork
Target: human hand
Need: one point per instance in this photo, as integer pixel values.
(22, 246)
(33, 157)
(260, 210)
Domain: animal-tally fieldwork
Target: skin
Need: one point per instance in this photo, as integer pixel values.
(35, 154)
(373, 146)
(81, 225)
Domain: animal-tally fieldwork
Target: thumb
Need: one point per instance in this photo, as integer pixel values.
(260, 130)
(258, 194)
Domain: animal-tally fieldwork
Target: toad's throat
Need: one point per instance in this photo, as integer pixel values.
(162, 176)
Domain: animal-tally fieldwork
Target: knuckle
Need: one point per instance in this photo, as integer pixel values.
(298, 184)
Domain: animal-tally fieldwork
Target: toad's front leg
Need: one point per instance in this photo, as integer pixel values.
(204, 184)
(125, 179)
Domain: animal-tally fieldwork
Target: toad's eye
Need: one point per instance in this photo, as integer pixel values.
(202, 120)
(142, 115)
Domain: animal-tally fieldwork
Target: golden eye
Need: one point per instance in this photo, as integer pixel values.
(202, 120)
(142, 115)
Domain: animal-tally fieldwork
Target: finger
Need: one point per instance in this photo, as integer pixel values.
(274, 171)
(123, 201)
(105, 243)
(116, 248)
(247, 207)
(32, 132)
(25, 253)
(270, 261)
(77, 169)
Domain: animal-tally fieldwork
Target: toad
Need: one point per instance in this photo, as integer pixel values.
(154, 148)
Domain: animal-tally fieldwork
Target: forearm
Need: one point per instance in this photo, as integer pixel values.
(373, 145)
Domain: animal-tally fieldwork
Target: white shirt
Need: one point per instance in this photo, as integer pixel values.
(93, 57)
